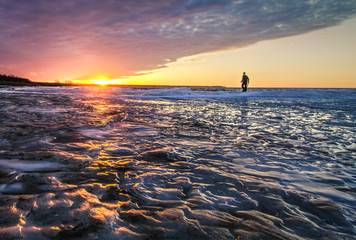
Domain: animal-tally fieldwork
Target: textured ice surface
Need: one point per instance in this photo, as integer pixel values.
(111, 163)
(29, 166)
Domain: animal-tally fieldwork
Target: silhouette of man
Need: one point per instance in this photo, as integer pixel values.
(245, 81)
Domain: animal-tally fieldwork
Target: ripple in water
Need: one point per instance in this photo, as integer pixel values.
(110, 163)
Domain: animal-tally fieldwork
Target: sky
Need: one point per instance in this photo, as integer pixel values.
(278, 43)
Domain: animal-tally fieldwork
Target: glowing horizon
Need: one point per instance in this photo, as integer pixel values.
(193, 43)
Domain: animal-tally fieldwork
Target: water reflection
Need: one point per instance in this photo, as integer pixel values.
(112, 168)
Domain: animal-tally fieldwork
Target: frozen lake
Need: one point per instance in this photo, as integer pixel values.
(123, 163)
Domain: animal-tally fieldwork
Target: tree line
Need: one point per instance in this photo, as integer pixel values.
(14, 79)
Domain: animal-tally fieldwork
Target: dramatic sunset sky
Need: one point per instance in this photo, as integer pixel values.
(279, 43)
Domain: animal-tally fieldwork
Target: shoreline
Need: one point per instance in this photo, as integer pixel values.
(4, 84)
(46, 84)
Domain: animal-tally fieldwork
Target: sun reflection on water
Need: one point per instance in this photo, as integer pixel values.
(127, 165)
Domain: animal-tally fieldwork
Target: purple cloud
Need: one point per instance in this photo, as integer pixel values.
(120, 37)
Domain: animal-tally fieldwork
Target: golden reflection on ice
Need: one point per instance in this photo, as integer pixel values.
(184, 166)
(102, 213)
(98, 90)
(61, 202)
(124, 231)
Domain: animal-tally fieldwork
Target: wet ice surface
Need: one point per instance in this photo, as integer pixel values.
(110, 163)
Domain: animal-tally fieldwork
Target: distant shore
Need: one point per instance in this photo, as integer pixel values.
(11, 80)
(37, 84)
(18, 82)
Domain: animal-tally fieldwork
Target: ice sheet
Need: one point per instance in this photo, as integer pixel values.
(177, 163)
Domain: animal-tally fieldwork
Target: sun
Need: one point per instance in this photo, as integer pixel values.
(102, 82)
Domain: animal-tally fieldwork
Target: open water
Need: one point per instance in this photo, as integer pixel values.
(124, 163)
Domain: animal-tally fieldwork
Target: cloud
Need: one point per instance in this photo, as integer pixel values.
(120, 38)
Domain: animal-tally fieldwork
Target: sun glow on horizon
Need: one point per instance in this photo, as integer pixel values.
(107, 81)
(102, 82)
(321, 58)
